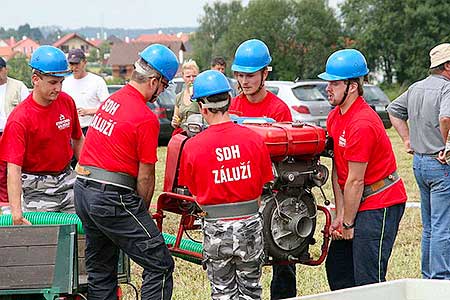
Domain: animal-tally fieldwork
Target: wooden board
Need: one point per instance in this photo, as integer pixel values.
(27, 256)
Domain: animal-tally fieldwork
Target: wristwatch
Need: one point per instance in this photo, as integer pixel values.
(348, 226)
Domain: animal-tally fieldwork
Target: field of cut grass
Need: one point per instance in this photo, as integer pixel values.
(191, 283)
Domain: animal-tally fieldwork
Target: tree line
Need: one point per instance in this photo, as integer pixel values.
(395, 36)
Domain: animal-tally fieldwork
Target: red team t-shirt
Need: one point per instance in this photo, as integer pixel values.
(271, 107)
(123, 133)
(359, 136)
(38, 138)
(226, 163)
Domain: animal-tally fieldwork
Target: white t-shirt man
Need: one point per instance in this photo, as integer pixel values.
(3, 114)
(88, 92)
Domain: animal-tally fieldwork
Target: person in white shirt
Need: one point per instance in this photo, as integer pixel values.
(87, 89)
(12, 92)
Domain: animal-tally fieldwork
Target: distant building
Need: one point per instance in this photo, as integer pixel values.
(72, 41)
(123, 56)
(9, 48)
(25, 46)
(167, 38)
(6, 53)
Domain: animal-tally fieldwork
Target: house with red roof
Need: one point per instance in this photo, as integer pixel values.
(123, 56)
(72, 41)
(25, 46)
(9, 47)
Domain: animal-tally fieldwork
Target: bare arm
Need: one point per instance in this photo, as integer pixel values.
(86, 111)
(403, 131)
(176, 118)
(339, 205)
(77, 145)
(444, 125)
(146, 182)
(14, 183)
(353, 190)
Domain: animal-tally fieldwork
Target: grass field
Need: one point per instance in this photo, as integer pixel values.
(191, 283)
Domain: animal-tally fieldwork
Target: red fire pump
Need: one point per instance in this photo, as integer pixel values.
(289, 209)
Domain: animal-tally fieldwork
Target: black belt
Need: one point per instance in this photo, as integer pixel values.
(104, 186)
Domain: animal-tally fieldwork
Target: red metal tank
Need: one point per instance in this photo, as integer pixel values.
(291, 139)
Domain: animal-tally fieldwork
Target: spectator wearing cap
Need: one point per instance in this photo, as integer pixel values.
(87, 89)
(12, 92)
(426, 105)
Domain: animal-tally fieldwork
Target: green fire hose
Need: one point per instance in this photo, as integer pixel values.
(56, 218)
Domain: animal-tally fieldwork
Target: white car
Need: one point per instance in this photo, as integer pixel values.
(306, 102)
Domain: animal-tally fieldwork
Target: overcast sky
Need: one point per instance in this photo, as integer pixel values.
(143, 14)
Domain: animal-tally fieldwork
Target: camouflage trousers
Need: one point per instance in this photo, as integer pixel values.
(234, 254)
(48, 192)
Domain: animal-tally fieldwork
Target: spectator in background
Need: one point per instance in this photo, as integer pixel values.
(426, 105)
(40, 138)
(219, 64)
(12, 92)
(184, 107)
(87, 89)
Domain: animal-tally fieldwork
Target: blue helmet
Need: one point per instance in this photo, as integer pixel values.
(50, 60)
(162, 59)
(345, 64)
(251, 56)
(210, 83)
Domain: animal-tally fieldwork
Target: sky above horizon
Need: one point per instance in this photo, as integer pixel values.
(131, 14)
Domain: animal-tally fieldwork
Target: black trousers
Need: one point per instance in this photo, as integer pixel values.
(284, 283)
(364, 260)
(114, 218)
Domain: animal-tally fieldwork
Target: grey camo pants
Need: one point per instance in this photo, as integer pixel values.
(234, 255)
(49, 193)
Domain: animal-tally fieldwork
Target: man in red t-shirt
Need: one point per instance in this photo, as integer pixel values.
(250, 68)
(116, 181)
(226, 178)
(370, 196)
(40, 138)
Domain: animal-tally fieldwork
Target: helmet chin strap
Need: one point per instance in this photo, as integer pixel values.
(261, 85)
(155, 96)
(345, 94)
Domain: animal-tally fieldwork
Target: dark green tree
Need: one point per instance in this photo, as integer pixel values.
(396, 36)
(299, 34)
(317, 36)
(214, 24)
(26, 30)
(18, 68)
(272, 22)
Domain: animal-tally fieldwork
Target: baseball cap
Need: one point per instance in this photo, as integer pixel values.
(75, 56)
(2, 63)
(439, 55)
